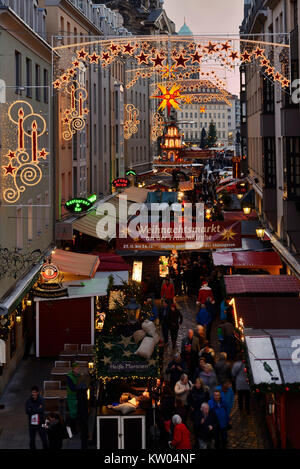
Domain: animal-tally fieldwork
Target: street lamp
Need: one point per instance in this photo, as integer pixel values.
(240, 196)
(247, 210)
(260, 232)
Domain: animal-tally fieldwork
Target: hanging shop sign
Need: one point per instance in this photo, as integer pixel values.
(78, 205)
(121, 183)
(50, 290)
(131, 172)
(216, 235)
(49, 272)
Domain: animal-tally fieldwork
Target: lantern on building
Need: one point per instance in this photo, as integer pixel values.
(247, 210)
(133, 311)
(260, 232)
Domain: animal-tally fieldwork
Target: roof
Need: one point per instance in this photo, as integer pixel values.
(239, 215)
(258, 284)
(273, 356)
(154, 15)
(75, 263)
(135, 194)
(265, 312)
(246, 258)
(185, 30)
(109, 262)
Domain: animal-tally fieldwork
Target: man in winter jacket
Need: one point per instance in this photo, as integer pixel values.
(164, 320)
(174, 320)
(73, 380)
(186, 349)
(175, 368)
(35, 409)
(241, 384)
(208, 426)
(223, 369)
(218, 405)
(167, 291)
(227, 395)
(203, 317)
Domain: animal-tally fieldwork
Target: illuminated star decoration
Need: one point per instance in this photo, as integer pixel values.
(152, 362)
(127, 353)
(228, 234)
(202, 109)
(168, 72)
(142, 58)
(108, 345)
(181, 61)
(169, 98)
(246, 57)
(9, 169)
(125, 341)
(81, 54)
(106, 360)
(94, 58)
(43, 153)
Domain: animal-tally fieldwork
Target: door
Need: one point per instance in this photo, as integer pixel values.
(63, 322)
(133, 431)
(109, 432)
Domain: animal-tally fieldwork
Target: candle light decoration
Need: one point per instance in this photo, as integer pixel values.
(131, 124)
(21, 166)
(74, 117)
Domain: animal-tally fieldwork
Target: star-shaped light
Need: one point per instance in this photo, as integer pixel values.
(71, 72)
(228, 234)
(211, 48)
(114, 48)
(81, 54)
(11, 154)
(142, 58)
(168, 72)
(181, 61)
(277, 76)
(152, 362)
(285, 82)
(202, 109)
(127, 353)
(94, 58)
(43, 153)
(9, 169)
(105, 56)
(108, 345)
(65, 78)
(225, 46)
(258, 52)
(106, 360)
(128, 49)
(234, 55)
(265, 62)
(169, 97)
(76, 63)
(270, 70)
(125, 341)
(196, 57)
(57, 84)
(158, 61)
(246, 57)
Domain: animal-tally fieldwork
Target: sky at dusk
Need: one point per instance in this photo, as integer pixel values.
(209, 17)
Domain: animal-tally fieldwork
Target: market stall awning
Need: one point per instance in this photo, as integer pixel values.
(75, 263)
(272, 357)
(110, 261)
(239, 215)
(135, 194)
(247, 285)
(247, 259)
(186, 186)
(266, 312)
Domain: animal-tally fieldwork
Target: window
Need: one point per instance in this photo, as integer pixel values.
(104, 100)
(28, 78)
(37, 82)
(105, 140)
(46, 89)
(19, 229)
(75, 186)
(269, 162)
(268, 96)
(18, 70)
(117, 138)
(95, 97)
(47, 210)
(293, 167)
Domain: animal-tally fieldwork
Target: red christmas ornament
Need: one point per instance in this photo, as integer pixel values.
(287, 389)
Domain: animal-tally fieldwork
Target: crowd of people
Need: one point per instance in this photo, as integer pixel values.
(197, 395)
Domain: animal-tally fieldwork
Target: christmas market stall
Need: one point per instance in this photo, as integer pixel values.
(66, 299)
(128, 364)
(237, 262)
(273, 366)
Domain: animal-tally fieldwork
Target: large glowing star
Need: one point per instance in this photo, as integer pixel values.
(169, 97)
(228, 234)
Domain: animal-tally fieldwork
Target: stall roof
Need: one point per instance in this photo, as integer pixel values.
(135, 194)
(259, 284)
(265, 312)
(273, 356)
(247, 259)
(96, 286)
(239, 215)
(75, 263)
(110, 261)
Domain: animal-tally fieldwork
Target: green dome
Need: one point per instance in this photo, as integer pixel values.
(185, 30)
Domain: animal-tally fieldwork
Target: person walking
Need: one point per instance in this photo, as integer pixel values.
(174, 319)
(196, 397)
(175, 368)
(204, 293)
(197, 345)
(208, 353)
(227, 394)
(186, 349)
(181, 434)
(167, 291)
(73, 380)
(223, 369)
(35, 409)
(207, 428)
(209, 378)
(183, 388)
(164, 320)
(218, 405)
(241, 385)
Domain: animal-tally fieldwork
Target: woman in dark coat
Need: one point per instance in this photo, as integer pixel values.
(197, 396)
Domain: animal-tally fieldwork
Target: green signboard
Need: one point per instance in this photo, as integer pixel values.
(78, 205)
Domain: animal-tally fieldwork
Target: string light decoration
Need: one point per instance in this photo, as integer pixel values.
(170, 58)
(22, 166)
(157, 126)
(74, 117)
(131, 124)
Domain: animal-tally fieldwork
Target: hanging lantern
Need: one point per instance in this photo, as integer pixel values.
(240, 196)
(18, 319)
(247, 210)
(133, 310)
(260, 232)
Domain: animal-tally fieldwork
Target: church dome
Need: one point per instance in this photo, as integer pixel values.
(185, 30)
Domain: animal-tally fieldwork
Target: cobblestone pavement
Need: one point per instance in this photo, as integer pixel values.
(248, 431)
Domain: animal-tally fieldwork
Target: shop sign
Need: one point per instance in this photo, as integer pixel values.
(121, 183)
(49, 272)
(78, 205)
(215, 235)
(129, 366)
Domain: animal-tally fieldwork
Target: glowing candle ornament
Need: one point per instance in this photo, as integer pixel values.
(34, 141)
(21, 130)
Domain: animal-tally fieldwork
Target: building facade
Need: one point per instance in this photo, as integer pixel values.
(270, 128)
